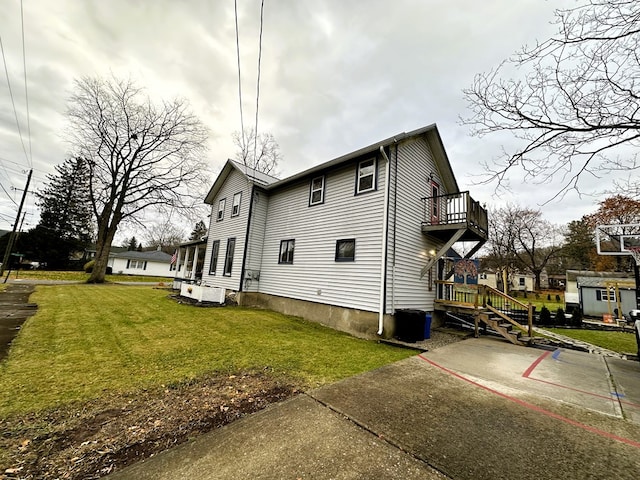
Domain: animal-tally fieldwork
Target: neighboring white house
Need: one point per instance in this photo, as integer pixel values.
(346, 243)
(153, 263)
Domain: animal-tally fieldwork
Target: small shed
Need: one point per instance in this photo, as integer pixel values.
(603, 295)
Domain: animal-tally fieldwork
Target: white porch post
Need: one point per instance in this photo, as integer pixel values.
(194, 262)
(178, 258)
(186, 263)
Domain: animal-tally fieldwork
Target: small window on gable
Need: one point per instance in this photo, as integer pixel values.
(316, 196)
(521, 281)
(215, 249)
(221, 205)
(346, 250)
(235, 210)
(366, 180)
(286, 251)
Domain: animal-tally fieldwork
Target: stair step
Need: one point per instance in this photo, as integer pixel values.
(526, 339)
(505, 325)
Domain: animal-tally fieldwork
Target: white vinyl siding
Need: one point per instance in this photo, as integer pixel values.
(315, 275)
(256, 239)
(416, 169)
(230, 227)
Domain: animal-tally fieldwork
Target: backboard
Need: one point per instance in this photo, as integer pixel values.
(618, 239)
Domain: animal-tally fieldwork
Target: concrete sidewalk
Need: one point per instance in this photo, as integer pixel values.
(477, 409)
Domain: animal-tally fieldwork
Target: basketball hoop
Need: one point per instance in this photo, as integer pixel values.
(635, 253)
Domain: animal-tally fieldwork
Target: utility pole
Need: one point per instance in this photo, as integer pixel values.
(12, 235)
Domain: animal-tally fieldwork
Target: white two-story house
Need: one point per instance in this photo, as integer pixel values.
(346, 243)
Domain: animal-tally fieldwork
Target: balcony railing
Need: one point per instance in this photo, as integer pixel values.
(455, 210)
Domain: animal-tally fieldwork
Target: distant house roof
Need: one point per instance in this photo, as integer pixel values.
(601, 282)
(151, 256)
(572, 275)
(430, 133)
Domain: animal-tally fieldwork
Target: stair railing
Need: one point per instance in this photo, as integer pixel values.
(508, 308)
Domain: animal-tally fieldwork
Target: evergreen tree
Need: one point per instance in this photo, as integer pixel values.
(65, 207)
(199, 231)
(131, 244)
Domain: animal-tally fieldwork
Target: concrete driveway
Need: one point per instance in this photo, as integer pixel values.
(476, 409)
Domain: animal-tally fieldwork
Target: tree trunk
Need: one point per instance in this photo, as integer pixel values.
(103, 248)
(537, 281)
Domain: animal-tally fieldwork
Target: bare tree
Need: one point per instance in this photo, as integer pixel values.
(524, 239)
(166, 235)
(576, 103)
(261, 153)
(140, 155)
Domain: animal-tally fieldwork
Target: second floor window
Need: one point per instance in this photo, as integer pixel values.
(366, 176)
(316, 196)
(286, 251)
(221, 205)
(235, 210)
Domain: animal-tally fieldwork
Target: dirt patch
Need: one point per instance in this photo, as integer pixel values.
(94, 439)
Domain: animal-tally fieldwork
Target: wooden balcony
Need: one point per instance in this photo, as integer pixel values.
(445, 215)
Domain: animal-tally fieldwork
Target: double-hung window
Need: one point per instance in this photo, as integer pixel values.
(215, 249)
(286, 251)
(228, 258)
(221, 204)
(366, 180)
(346, 250)
(316, 195)
(235, 210)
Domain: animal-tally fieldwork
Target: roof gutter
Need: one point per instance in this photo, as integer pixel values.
(385, 227)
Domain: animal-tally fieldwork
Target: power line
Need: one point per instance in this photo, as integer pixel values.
(235, 4)
(26, 92)
(255, 139)
(6, 71)
(5, 191)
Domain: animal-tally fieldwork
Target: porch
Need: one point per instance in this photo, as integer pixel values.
(451, 218)
(189, 263)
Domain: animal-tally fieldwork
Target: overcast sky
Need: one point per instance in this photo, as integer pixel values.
(337, 75)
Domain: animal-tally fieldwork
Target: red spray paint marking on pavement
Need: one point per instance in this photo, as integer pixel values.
(536, 408)
(533, 366)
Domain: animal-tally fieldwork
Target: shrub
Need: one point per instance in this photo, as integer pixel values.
(576, 317)
(560, 318)
(109, 270)
(558, 298)
(88, 267)
(549, 296)
(545, 316)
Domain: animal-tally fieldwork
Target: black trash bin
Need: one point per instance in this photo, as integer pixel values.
(410, 325)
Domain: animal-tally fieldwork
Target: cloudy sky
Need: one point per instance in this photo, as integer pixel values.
(336, 75)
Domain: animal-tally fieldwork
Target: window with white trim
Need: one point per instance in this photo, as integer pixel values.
(366, 180)
(136, 264)
(286, 251)
(605, 295)
(235, 210)
(316, 195)
(221, 204)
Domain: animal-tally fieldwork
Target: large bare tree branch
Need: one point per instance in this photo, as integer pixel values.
(140, 155)
(572, 102)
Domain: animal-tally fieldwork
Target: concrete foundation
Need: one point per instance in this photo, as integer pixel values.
(359, 323)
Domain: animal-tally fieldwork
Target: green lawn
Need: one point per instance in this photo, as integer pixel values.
(87, 340)
(82, 276)
(622, 342)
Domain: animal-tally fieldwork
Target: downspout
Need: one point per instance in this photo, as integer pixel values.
(383, 258)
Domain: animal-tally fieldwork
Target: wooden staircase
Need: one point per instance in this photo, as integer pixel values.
(490, 308)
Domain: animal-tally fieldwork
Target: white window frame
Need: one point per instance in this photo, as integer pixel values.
(319, 190)
(235, 209)
(605, 294)
(361, 176)
(221, 206)
(228, 257)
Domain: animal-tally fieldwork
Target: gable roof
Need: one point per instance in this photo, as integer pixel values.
(432, 136)
(601, 282)
(250, 174)
(151, 256)
(430, 133)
